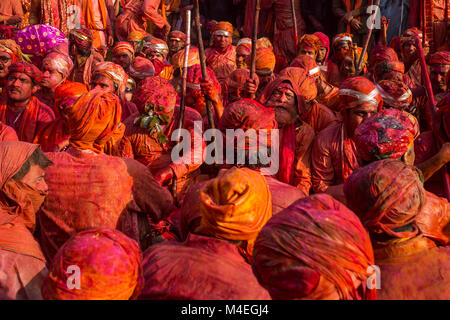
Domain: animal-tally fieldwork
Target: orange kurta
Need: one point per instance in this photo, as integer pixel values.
(319, 117)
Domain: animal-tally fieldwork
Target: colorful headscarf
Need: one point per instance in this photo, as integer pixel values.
(264, 42)
(441, 57)
(341, 37)
(235, 206)
(68, 92)
(395, 94)
(387, 134)
(28, 68)
(245, 43)
(141, 68)
(223, 27)
(115, 73)
(60, 62)
(387, 195)
(157, 92)
(158, 45)
(177, 35)
(313, 248)
(381, 53)
(109, 263)
(248, 114)
(388, 65)
(193, 58)
(123, 46)
(305, 82)
(325, 42)
(82, 38)
(310, 41)
(39, 39)
(358, 91)
(136, 36)
(410, 34)
(94, 121)
(308, 63)
(12, 48)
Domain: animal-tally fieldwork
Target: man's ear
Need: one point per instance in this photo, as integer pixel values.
(35, 88)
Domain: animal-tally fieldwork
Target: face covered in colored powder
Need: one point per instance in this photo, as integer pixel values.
(283, 100)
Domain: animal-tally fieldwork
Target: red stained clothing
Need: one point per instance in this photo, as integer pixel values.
(7, 133)
(53, 137)
(219, 270)
(319, 117)
(222, 63)
(109, 193)
(333, 158)
(27, 124)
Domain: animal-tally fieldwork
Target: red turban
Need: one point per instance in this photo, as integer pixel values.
(157, 92)
(359, 91)
(248, 114)
(387, 134)
(123, 46)
(380, 53)
(141, 68)
(308, 63)
(82, 38)
(305, 82)
(410, 35)
(29, 69)
(109, 263)
(325, 42)
(441, 57)
(388, 65)
(177, 35)
(115, 73)
(12, 48)
(310, 41)
(68, 92)
(314, 248)
(223, 26)
(387, 195)
(395, 94)
(94, 121)
(59, 62)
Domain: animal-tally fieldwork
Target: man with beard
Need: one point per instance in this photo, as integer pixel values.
(409, 55)
(177, 41)
(243, 52)
(439, 63)
(123, 54)
(20, 109)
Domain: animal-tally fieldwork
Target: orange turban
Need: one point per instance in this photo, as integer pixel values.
(158, 45)
(68, 92)
(223, 26)
(265, 59)
(94, 121)
(109, 263)
(235, 206)
(115, 73)
(193, 58)
(27, 68)
(264, 43)
(358, 91)
(246, 43)
(410, 34)
(60, 62)
(123, 46)
(12, 48)
(305, 82)
(308, 63)
(341, 37)
(312, 249)
(136, 36)
(310, 41)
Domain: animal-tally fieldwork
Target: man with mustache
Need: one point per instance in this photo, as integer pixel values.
(9, 53)
(20, 109)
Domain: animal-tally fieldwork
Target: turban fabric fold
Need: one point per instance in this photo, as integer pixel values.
(28, 68)
(141, 68)
(123, 46)
(115, 73)
(305, 82)
(82, 38)
(358, 91)
(59, 62)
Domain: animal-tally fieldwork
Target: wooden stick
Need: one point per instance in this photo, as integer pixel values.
(432, 107)
(201, 50)
(369, 36)
(294, 18)
(254, 39)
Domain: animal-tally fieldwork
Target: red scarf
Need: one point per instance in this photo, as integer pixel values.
(287, 154)
(28, 122)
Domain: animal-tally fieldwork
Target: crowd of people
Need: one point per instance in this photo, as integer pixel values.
(93, 204)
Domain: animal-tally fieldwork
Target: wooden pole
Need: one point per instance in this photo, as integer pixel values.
(294, 18)
(254, 39)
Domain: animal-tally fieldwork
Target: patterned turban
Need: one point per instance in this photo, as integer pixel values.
(388, 65)
(305, 82)
(312, 249)
(123, 46)
(395, 94)
(387, 134)
(141, 68)
(245, 43)
(341, 37)
(235, 206)
(82, 38)
(158, 45)
(136, 36)
(39, 39)
(441, 57)
(115, 73)
(193, 58)
(94, 121)
(158, 92)
(359, 91)
(310, 41)
(325, 42)
(177, 35)
(308, 63)
(109, 263)
(223, 28)
(264, 43)
(12, 48)
(248, 114)
(381, 53)
(68, 92)
(409, 36)
(28, 68)
(387, 196)
(60, 62)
